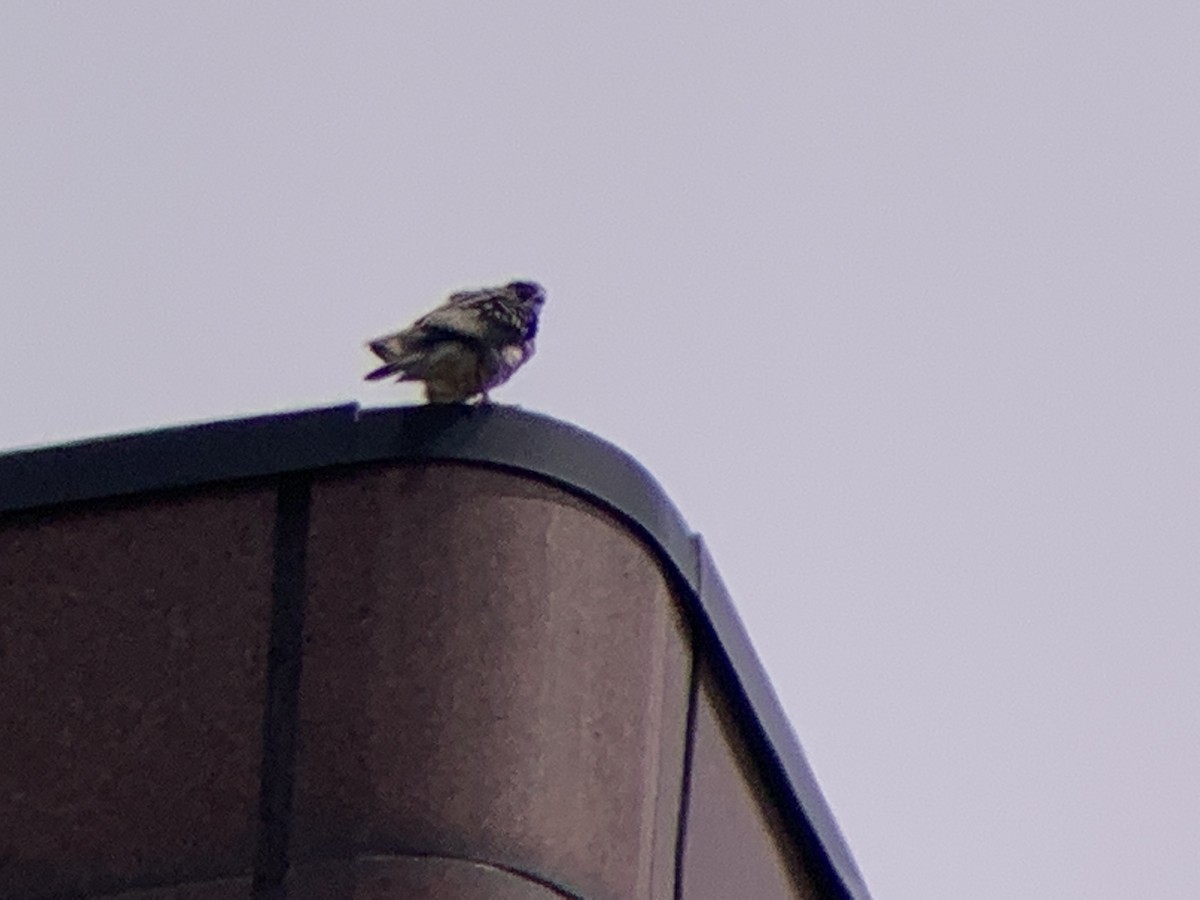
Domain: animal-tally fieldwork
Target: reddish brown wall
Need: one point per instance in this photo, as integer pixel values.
(735, 841)
(493, 701)
(495, 671)
(132, 644)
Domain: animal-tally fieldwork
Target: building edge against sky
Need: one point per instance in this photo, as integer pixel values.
(450, 648)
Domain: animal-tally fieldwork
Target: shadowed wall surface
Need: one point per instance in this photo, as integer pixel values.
(133, 659)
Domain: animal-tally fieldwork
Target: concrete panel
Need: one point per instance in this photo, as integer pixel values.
(734, 845)
(132, 646)
(494, 670)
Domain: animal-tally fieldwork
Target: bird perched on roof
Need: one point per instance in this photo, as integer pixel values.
(469, 345)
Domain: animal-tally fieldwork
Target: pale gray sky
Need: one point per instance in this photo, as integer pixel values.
(900, 303)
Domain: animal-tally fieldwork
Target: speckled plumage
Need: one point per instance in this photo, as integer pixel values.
(469, 345)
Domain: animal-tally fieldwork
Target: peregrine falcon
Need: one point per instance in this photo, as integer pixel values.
(470, 344)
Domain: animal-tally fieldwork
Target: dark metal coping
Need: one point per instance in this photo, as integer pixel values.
(492, 435)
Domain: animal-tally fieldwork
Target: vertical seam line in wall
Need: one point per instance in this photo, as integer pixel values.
(685, 788)
(284, 659)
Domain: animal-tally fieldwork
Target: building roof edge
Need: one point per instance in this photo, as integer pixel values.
(263, 446)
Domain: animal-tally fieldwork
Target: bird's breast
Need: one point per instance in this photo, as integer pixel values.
(512, 355)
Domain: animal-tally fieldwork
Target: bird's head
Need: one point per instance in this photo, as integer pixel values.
(529, 292)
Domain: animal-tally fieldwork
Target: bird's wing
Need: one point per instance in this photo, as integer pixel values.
(444, 323)
(477, 297)
(485, 315)
(465, 316)
(450, 321)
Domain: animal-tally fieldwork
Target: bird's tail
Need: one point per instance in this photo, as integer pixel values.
(384, 371)
(392, 350)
